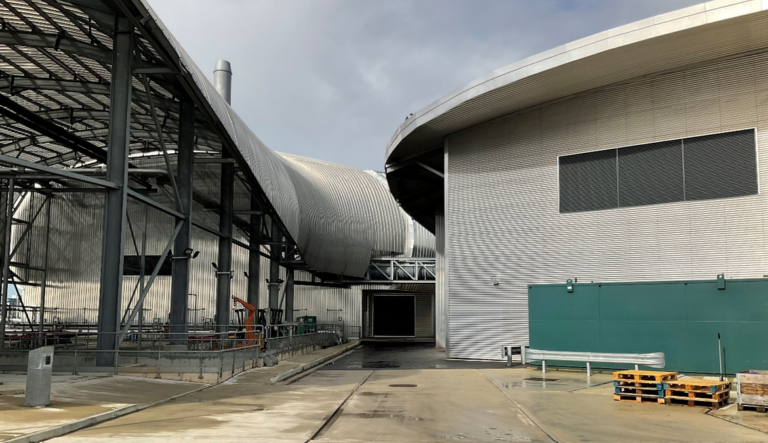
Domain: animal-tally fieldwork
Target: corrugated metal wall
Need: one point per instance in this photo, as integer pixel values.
(502, 200)
(74, 266)
(74, 262)
(441, 285)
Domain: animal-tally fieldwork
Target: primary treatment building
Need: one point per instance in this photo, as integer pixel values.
(605, 195)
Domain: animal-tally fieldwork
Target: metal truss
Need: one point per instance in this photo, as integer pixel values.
(402, 270)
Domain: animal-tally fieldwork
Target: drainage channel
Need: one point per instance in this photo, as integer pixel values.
(336, 413)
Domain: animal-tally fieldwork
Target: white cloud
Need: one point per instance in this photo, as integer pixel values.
(332, 79)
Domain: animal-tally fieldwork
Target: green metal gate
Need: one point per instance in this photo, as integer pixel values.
(681, 319)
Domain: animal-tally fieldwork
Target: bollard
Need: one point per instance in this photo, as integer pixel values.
(39, 371)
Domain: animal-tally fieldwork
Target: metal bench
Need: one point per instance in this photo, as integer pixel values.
(654, 360)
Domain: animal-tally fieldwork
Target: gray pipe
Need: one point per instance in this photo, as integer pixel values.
(222, 80)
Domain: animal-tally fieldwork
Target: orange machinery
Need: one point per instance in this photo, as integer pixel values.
(250, 324)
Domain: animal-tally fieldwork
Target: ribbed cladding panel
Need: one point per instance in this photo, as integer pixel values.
(502, 199)
(720, 165)
(650, 174)
(419, 241)
(351, 206)
(441, 292)
(424, 315)
(588, 181)
(74, 261)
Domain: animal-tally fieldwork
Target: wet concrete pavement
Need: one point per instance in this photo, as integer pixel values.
(394, 355)
(78, 397)
(410, 393)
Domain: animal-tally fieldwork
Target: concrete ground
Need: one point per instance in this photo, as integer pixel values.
(77, 397)
(410, 393)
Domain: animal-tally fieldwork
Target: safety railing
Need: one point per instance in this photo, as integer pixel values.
(654, 360)
(344, 331)
(159, 349)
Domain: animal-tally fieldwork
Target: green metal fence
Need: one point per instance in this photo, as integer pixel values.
(681, 319)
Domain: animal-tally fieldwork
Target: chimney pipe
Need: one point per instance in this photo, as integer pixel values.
(222, 80)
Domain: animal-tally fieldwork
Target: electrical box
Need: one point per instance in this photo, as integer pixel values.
(39, 373)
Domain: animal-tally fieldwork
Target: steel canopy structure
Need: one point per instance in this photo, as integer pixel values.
(99, 97)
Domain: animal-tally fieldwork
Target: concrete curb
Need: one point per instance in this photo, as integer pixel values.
(58, 431)
(67, 428)
(306, 366)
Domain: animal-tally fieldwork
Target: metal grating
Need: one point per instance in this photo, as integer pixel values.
(588, 181)
(720, 165)
(650, 174)
(699, 168)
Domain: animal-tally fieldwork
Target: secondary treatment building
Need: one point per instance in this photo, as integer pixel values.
(605, 195)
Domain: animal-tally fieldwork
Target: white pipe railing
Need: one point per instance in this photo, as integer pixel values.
(654, 359)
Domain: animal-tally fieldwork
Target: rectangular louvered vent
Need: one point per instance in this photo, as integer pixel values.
(696, 168)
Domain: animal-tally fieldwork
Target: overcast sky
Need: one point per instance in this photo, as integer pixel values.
(332, 79)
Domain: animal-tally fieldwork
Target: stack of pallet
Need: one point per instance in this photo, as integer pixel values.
(711, 394)
(753, 390)
(641, 386)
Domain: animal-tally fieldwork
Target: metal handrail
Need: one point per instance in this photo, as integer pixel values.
(654, 359)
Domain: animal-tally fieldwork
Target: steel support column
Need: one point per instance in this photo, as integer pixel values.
(181, 257)
(274, 266)
(254, 257)
(44, 283)
(289, 287)
(6, 260)
(224, 270)
(116, 199)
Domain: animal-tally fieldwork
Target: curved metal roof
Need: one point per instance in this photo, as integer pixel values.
(668, 42)
(338, 216)
(55, 58)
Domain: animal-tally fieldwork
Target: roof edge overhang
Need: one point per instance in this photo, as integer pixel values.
(664, 43)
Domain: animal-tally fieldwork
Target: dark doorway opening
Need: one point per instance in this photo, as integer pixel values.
(393, 316)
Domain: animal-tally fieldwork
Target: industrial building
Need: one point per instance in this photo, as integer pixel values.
(607, 195)
(137, 203)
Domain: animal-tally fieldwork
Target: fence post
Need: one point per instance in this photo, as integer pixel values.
(200, 356)
(74, 365)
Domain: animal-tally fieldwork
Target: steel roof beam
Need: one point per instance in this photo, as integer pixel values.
(77, 115)
(56, 42)
(81, 87)
(159, 206)
(22, 115)
(63, 173)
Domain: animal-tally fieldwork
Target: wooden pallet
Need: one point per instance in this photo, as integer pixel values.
(756, 408)
(690, 385)
(645, 376)
(699, 395)
(634, 398)
(629, 390)
(700, 402)
(652, 385)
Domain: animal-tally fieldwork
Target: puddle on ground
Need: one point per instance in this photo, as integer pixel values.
(381, 364)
